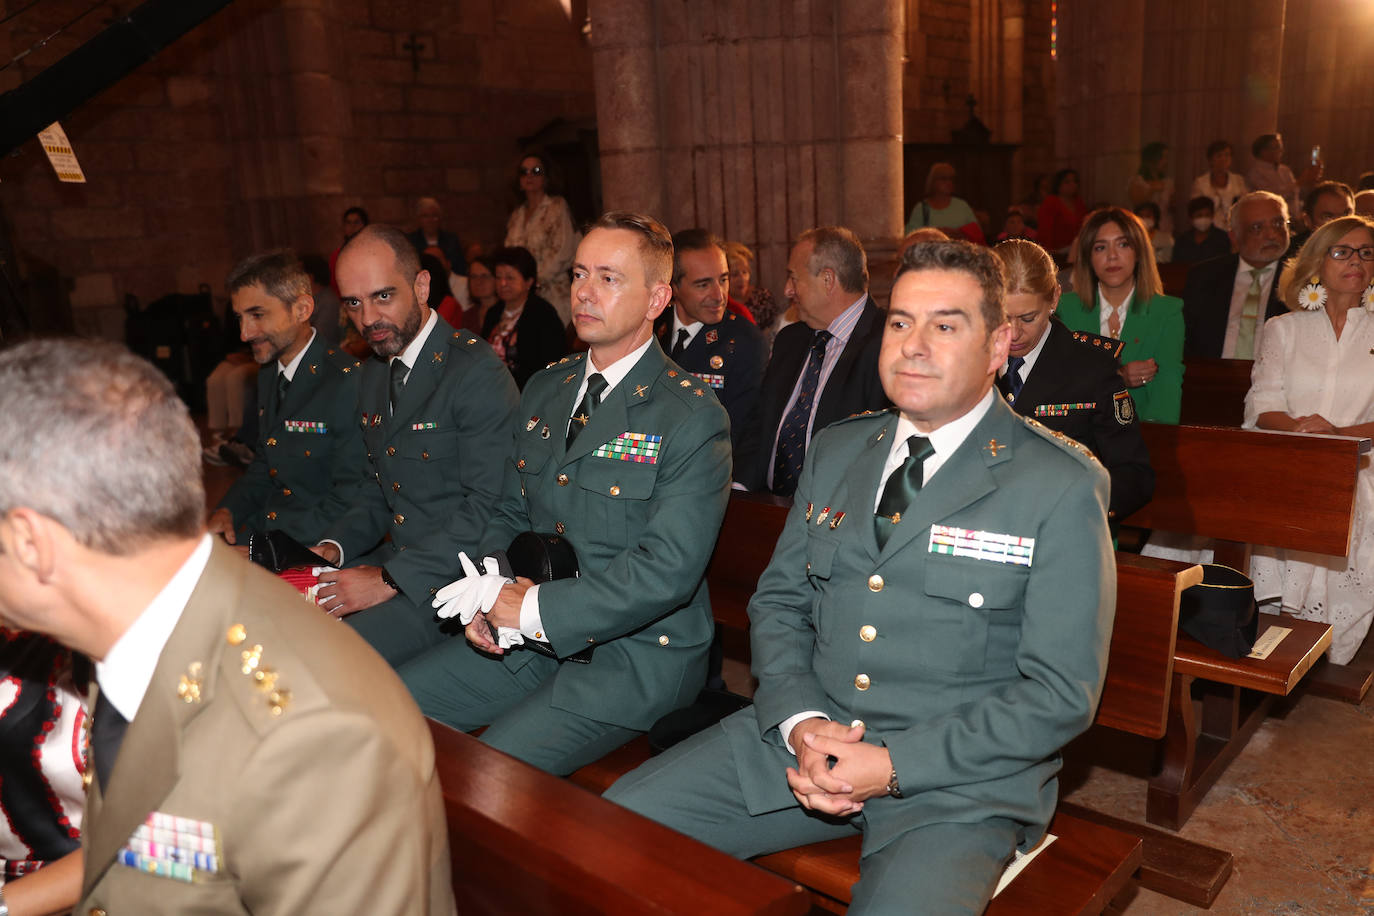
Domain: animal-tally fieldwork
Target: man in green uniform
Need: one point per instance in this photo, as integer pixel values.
(628, 458)
(309, 444)
(435, 411)
(932, 629)
(248, 755)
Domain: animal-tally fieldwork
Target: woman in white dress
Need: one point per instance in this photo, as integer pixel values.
(543, 225)
(1315, 374)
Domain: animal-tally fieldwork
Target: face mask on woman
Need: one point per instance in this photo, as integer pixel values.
(1202, 223)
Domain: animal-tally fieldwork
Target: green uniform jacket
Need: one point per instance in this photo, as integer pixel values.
(307, 455)
(433, 470)
(973, 672)
(315, 782)
(643, 532)
(1153, 330)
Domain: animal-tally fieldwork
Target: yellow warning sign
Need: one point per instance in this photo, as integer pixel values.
(61, 154)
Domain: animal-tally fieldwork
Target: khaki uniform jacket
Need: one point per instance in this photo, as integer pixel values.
(314, 783)
(643, 531)
(972, 671)
(433, 471)
(307, 454)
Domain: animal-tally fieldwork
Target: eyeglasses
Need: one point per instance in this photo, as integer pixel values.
(1343, 252)
(537, 170)
(1278, 224)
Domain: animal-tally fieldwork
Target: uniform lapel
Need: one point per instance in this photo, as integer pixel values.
(863, 479)
(1041, 383)
(424, 376)
(149, 762)
(305, 381)
(961, 481)
(611, 417)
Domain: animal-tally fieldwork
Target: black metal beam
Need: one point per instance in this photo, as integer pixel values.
(96, 65)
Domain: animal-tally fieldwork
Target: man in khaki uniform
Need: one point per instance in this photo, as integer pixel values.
(249, 755)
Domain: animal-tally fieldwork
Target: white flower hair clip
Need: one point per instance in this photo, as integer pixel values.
(1313, 295)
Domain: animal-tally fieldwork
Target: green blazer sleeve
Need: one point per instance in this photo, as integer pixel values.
(1152, 331)
(1069, 603)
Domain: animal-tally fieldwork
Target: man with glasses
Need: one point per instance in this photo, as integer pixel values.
(1227, 300)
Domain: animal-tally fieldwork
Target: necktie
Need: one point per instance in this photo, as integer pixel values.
(282, 384)
(1249, 315)
(107, 733)
(1114, 324)
(787, 462)
(1014, 380)
(902, 486)
(681, 343)
(398, 381)
(595, 385)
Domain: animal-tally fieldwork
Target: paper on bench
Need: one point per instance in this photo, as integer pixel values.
(1269, 641)
(1021, 860)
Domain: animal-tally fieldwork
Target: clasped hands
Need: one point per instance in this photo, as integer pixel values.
(860, 771)
(483, 599)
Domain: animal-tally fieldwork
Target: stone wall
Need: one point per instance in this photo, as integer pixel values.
(257, 128)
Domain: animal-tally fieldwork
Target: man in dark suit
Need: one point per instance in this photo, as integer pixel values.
(249, 755)
(309, 445)
(429, 234)
(932, 629)
(1226, 300)
(717, 346)
(435, 411)
(823, 368)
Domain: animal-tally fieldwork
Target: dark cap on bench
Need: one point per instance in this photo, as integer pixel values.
(1220, 611)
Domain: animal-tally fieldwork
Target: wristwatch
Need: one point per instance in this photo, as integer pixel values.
(386, 578)
(894, 789)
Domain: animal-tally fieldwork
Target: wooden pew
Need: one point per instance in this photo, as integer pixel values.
(523, 841)
(1088, 865)
(1214, 391)
(1242, 488)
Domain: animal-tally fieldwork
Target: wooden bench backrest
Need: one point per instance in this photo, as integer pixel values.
(1253, 486)
(1214, 391)
(524, 841)
(1136, 695)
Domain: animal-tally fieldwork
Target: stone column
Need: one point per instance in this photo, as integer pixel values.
(755, 120)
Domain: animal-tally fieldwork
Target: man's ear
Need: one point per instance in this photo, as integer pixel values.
(302, 308)
(30, 538)
(659, 298)
(828, 279)
(422, 287)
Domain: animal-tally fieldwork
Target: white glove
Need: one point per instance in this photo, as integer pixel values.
(472, 593)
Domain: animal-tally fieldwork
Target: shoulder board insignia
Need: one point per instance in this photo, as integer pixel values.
(457, 335)
(1109, 344)
(551, 364)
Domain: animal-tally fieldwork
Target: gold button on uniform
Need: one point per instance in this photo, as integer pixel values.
(862, 682)
(615, 489)
(663, 640)
(272, 472)
(562, 480)
(875, 583)
(272, 440)
(391, 449)
(307, 453)
(559, 527)
(271, 516)
(520, 464)
(395, 486)
(868, 633)
(399, 518)
(286, 491)
(97, 911)
(424, 455)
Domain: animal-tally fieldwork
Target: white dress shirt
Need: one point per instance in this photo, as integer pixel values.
(679, 326)
(289, 369)
(1029, 358)
(945, 441)
(127, 669)
(1238, 294)
(1105, 309)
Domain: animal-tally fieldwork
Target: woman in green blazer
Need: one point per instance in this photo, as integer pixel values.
(1118, 294)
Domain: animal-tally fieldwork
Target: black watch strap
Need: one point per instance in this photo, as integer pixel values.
(386, 577)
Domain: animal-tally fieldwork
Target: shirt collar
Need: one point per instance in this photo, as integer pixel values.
(1104, 305)
(618, 369)
(127, 669)
(1028, 361)
(412, 350)
(680, 325)
(948, 437)
(289, 370)
(844, 322)
(1246, 267)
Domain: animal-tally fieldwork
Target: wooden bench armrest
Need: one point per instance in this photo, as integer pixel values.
(1277, 674)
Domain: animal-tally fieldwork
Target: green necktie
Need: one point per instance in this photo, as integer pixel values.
(282, 384)
(398, 381)
(1249, 317)
(595, 385)
(902, 486)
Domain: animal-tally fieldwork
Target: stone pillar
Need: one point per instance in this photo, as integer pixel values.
(756, 120)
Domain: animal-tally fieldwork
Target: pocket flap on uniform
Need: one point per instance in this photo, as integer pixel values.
(820, 555)
(975, 583)
(617, 479)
